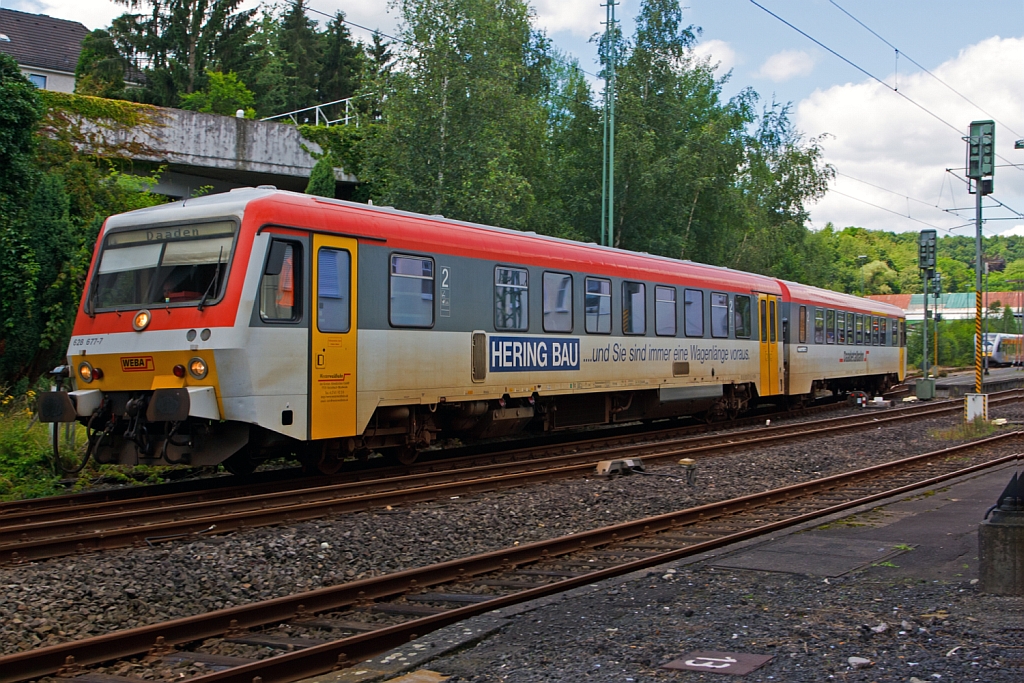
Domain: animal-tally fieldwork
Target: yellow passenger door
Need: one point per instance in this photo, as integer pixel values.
(333, 338)
(768, 328)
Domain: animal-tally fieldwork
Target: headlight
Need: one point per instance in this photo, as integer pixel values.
(141, 320)
(197, 368)
(85, 372)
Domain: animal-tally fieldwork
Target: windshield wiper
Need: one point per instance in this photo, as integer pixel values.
(213, 282)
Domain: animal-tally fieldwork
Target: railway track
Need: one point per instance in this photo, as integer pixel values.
(364, 618)
(46, 533)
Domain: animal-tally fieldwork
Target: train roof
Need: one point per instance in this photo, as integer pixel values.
(405, 229)
(816, 296)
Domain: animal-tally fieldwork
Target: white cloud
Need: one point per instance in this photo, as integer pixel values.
(1015, 231)
(719, 52)
(579, 17)
(785, 65)
(880, 137)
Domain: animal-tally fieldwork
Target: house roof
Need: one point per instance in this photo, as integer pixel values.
(41, 41)
(959, 300)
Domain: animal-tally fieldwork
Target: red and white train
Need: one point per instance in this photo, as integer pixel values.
(232, 327)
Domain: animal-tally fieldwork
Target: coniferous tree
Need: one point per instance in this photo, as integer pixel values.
(300, 55)
(340, 62)
(321, 179)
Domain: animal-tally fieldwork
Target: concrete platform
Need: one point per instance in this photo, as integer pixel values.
(998, 379)
(901, 574)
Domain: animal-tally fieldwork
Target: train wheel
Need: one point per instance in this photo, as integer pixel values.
(330, 458)
(407, 455)
(240, 464)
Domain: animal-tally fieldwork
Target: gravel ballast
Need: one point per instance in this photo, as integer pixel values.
(76, 597)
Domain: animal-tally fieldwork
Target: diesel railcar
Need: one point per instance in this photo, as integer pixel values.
(227, 328)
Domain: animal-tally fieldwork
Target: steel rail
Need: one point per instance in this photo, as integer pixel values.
(67, 536)
(322, 658)
(123, 500)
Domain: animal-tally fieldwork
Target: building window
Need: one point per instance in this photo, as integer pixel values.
(557, 302)
(598, 303)
(510, 299)
(634, 308)
(665, 311)
(37, 80)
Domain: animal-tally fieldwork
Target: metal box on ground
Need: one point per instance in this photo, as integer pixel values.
(976, 405)
(925, 388)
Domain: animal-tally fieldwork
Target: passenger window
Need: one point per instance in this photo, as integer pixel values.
(719, 315)
(881, 332)
(803, 325)
(511, 299)
(840, 327)
(819, 326)
(332, 290)
(412, 291)
(742, 316)
(874, 331)
(693, 312)
(634, 319)
(557, 302)
(830, 327)
(895, 333)
(280, 297)
(849, 328)
(665, 311)
(598, 303)
(860, 329)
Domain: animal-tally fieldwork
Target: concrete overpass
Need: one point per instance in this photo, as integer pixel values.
(224, 152)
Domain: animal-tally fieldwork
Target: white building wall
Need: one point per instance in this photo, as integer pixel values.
(58, 81)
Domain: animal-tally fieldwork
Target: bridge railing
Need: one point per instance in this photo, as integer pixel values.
(321, 113)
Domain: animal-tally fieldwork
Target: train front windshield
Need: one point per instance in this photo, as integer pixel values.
(180, 264)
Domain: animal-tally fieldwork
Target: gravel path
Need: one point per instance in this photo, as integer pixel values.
(76, 597)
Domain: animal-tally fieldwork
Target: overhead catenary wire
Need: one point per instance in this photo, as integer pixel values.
(867, 73)
(915, 63)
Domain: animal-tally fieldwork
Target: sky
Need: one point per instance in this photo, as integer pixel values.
(889, 128)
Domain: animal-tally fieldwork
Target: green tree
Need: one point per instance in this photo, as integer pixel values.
(464, 128)
(175, 41)
(299, 51)
(101, 67)
(321, 179)
(341, 62)
(224, 94)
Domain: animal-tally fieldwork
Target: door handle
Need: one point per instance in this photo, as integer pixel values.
(320, 360)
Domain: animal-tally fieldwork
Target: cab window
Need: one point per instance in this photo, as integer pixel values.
(280, 297)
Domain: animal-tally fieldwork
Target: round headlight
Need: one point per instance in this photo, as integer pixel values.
(85, 372)
(197, 368)
(141, 320)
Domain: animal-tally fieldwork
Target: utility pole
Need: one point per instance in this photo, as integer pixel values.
(608, 163)
(981, 170)
(926, 245)
(937, 290)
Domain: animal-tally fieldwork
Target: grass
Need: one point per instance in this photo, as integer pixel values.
(26, 455)
(976, 429)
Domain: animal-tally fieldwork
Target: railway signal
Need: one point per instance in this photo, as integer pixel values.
(981, 170)
(926, 247)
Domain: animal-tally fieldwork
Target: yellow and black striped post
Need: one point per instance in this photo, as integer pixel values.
(977, 342)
